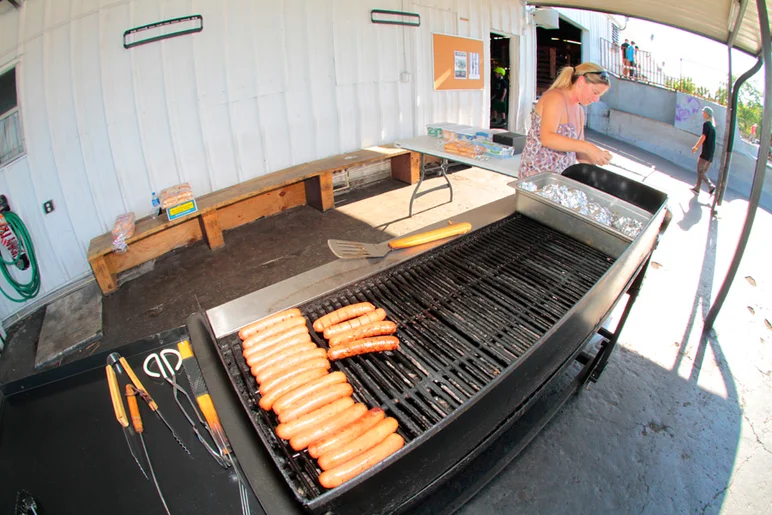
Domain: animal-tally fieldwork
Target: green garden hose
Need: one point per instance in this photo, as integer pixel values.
(25, 290)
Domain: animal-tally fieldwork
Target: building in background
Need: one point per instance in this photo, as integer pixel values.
(265, 85)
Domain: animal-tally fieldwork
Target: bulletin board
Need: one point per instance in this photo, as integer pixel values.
(458, 62)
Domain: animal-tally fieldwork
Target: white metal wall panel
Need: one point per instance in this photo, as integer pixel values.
(120, 111)
(321, 69)
(9, 35)
(44, 173)
(104, 189)
(183, 106)
(75, 200)
(149, 91)
(212, 82)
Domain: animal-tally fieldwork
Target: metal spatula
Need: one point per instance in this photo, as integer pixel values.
(355, 249)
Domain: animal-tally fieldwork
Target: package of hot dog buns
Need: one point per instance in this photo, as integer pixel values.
(176, 195)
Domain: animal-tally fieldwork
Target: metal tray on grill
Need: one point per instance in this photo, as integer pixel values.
(599, 236)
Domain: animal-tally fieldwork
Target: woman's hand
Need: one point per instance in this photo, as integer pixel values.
(595, 155)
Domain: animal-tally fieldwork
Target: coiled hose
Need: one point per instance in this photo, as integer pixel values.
(29, 289)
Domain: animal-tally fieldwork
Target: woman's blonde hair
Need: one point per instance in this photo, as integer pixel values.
(569, 74)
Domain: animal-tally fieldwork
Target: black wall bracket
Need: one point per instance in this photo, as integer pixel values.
(395, 17)
(133, 37)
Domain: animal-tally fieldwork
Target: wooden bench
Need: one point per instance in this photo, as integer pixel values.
(309, 183)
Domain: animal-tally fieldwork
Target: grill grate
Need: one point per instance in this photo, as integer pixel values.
(465, 312)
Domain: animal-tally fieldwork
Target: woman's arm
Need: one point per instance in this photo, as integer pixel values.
(553, 109)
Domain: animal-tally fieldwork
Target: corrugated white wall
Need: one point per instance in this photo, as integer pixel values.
(265, 85)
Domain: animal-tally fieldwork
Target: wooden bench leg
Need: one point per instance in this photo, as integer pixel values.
(210, 226)
(406, 168)
(319, 192)
(106, 279)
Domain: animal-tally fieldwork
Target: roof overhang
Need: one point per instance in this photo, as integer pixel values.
(733, 22)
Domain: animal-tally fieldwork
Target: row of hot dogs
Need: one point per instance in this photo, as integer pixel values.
(313, 405)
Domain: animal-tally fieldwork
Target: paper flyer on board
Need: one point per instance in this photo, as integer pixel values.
(459, 65)
(474, 66)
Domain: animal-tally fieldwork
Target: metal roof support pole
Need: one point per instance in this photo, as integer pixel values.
(731, 105)
(731, 109)
(761, 165)
(723, 176)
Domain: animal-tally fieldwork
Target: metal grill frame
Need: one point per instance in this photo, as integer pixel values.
(389, 485)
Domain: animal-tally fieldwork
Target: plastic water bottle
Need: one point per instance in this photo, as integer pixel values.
(156, 205)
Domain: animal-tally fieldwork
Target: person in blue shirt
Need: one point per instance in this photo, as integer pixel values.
(631, 58)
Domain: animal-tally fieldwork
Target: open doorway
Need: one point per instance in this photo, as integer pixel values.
(556, 48)
(500, 81)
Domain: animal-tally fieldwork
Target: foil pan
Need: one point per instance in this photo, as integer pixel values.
(585, 203)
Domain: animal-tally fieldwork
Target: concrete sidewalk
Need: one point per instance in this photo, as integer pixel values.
(678, 422)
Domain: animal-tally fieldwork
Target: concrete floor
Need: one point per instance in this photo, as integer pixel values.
(678, 423)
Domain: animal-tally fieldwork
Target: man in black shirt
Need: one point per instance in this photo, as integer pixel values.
(708, 142)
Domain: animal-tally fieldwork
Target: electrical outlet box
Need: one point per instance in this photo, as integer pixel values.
(48, 206)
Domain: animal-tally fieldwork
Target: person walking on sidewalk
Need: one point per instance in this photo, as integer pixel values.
(708, 142)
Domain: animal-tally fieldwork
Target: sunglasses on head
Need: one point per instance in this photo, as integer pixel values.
(603, 75)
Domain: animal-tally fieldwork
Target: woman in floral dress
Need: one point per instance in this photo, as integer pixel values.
(555, 140)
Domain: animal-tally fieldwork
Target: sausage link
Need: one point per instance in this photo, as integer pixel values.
(267, 344)
(368, 318)
(264, 323)
(281, 357)
(381, 328)
(375, 344)
(274, 330)
(267, 400)
(339, 315)
(302, 440)
(352, 468)
(360, 444)
(308, 390)
(265, 375)
(348, 433)
(290, 429)
(319, 399)
(256, 357)
(312, 364)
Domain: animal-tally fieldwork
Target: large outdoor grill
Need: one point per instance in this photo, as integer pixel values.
(486, 322)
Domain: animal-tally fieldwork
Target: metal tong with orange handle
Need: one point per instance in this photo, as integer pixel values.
(136, 420)
(120, 414)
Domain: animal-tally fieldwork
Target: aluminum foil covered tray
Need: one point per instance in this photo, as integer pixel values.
(579, 200)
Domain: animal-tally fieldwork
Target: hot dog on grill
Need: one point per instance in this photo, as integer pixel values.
(348, 451)
(352, 468)
(339, 315)
(317, 400)
(270, 342)
(281, 357)
(274, 330)
(347, 434)
(289, 363)
(312, 364)
(307, 390)
(264, 323)
(256, 357)
(288, 430)
(303, 439)
(267, 400)
(368, 318)
(381, 328)
(375, 344)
